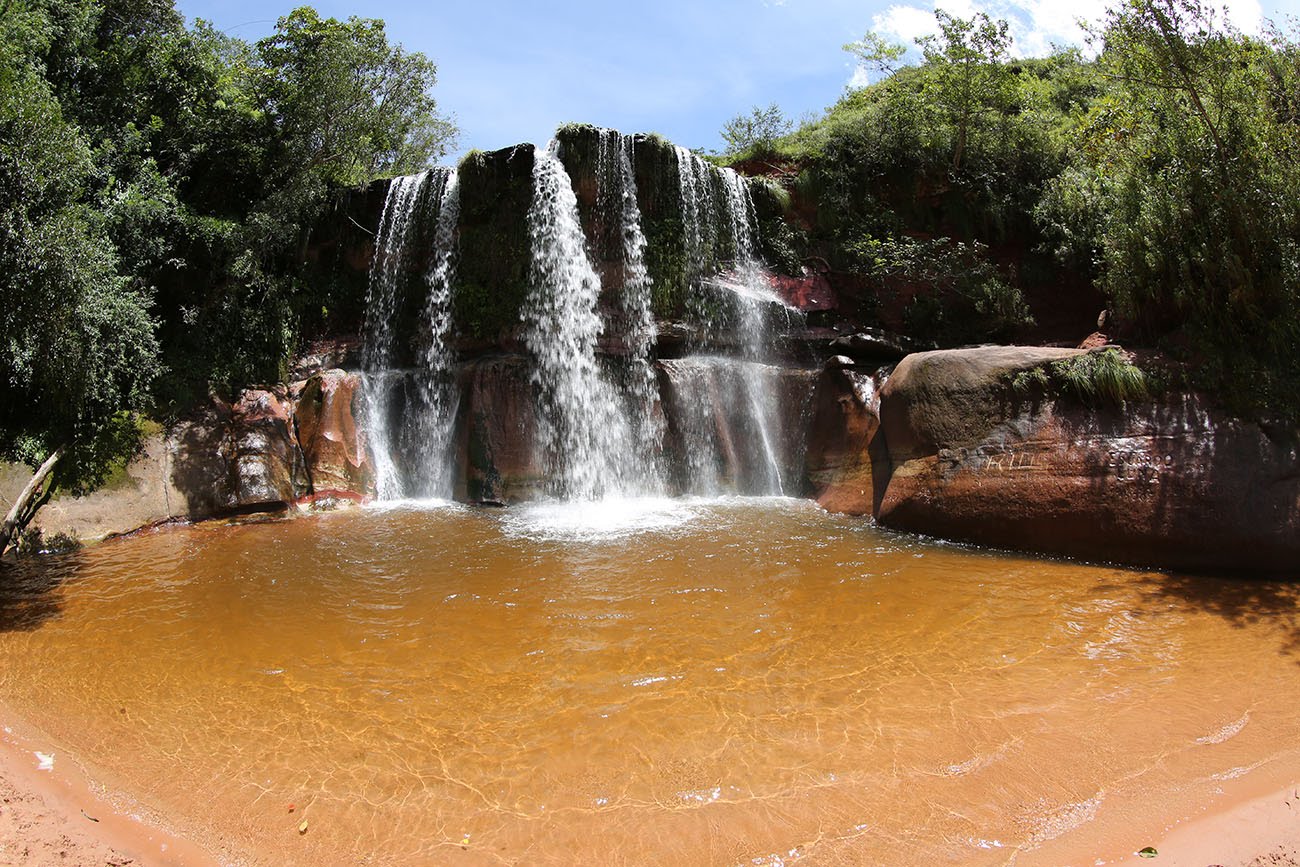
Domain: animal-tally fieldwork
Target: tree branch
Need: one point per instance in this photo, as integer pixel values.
(20, 515)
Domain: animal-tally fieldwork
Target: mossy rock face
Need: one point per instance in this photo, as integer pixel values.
(596, 185)
(338, 256)
(782, 244)
(657, 173)
(494, 261)
(658, 179)
(496, 191)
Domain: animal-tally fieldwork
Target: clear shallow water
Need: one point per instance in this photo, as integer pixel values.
(648, 682)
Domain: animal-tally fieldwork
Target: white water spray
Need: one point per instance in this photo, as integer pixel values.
(583, 432)
(423, 432)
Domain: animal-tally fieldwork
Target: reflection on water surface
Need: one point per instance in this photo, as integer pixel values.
(649, 682)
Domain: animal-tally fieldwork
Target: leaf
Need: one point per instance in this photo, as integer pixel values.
(1148, 852)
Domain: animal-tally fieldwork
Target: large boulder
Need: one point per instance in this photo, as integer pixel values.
(333, 442)
(842, 442)
(222, 459)
(265, 466)
(139, 494)
(954, 396)
(227, 458)
(1170, 482)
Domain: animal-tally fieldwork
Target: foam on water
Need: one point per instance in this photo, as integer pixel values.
(427, 504)
(597, 520)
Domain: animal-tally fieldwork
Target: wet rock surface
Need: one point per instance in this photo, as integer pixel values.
(498, 427)
(331, 438)
(842, 442)
(265, 464)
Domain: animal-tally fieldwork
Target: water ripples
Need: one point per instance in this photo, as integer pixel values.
(673, 682)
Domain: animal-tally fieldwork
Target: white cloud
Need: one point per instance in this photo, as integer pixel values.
(1247, 15)
(905, 23)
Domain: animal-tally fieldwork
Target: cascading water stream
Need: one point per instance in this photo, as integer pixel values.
(635, 375)
(423, 431)
(429, 437)
(383, 298)
(742, 429)
(753, 300)
(585, 440)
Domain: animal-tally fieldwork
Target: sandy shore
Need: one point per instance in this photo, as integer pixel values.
(52, 814)
(1259, 831)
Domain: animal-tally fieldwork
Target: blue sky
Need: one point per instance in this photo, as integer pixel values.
(513, 71)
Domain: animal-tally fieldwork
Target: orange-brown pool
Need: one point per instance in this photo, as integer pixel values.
(743, 682)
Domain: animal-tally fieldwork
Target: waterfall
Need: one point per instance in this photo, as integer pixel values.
(717, 212)
(384, 297)
(420, 434)
(428, 433)
(585, 438)
(635, 376)
(724, 432)
(606, 417)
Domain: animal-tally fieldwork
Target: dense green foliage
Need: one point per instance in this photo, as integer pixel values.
(1105, 376)
(1185, 190)
(757, 130)
(79, 344)
(1166, 172)
(930, 177)
(158, 182)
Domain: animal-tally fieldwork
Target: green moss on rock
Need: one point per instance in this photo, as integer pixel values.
(496, 191)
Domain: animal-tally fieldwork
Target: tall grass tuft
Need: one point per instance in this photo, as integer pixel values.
(1101, 377)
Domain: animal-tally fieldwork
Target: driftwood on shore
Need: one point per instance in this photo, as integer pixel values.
(28, 501)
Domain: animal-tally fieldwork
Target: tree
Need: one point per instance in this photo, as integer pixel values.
(1194, 167)
(334, 105)
(157, 186)
(968, 77)
(78, 342)
(757, 130)
(877, 54)
(347, 105)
